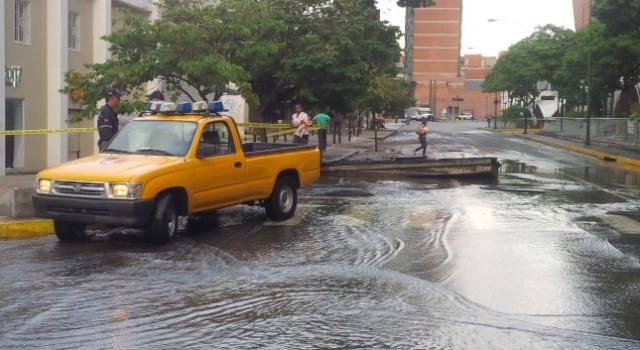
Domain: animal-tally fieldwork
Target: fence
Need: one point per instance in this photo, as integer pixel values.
(620, 131)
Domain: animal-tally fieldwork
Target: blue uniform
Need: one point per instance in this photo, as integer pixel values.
(107, 124)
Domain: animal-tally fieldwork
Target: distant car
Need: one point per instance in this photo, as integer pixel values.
(418, 117)
(465, 116)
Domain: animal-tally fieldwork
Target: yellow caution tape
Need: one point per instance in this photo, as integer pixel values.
(264, 125)
(278, 133)
(79, 130)
(46, 131)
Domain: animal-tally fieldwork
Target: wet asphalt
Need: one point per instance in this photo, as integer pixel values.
(540, 259)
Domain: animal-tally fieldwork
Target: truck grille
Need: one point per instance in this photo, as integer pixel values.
(79, 189)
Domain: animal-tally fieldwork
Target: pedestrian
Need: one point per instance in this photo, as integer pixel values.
(108, 117)
(407, 117)
(422, 137)
(302, 128)
(323, 120)
(299, 118)
(488, 121)
(156, 96)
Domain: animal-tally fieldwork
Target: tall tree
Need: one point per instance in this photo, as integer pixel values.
(321, 52)
(534, 59)
(615, 65)
(618, 16)
(186, 48)
(326, 56)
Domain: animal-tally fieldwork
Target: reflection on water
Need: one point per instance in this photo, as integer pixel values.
(607, 175)
(364, 264)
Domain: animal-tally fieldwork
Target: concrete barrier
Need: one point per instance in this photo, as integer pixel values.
(16, 202)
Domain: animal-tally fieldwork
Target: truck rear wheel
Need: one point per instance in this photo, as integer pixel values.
(68, 231)
(283, 201)
(164, 221)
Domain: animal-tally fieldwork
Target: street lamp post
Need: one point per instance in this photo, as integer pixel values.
(587, 141)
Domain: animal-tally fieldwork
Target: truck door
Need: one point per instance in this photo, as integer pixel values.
(220, 169)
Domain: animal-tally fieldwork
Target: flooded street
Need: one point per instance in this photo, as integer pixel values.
(539, 260)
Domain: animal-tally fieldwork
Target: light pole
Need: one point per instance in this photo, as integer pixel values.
(587, 141)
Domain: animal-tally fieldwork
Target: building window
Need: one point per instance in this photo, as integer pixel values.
(74, 30)
(23, 22)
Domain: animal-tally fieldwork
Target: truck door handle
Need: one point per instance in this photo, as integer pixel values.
(237, 164)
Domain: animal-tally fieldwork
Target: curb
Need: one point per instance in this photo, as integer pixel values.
(597, 154)
(25, 228)
(339, 158)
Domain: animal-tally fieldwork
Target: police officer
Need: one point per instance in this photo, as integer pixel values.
(156, 96)
(108, 117)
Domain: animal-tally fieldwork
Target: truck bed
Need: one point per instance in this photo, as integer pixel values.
(264, 148)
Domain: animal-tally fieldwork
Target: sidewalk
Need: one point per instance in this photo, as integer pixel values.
(611, 153)
(361, 146)
(15, 201)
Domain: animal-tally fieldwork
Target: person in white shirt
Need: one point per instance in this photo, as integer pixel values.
(300, 120)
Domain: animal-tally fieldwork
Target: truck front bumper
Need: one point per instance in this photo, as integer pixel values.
(130, 213)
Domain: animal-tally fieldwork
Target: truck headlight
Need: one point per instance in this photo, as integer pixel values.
(128, 190)
(44, 186)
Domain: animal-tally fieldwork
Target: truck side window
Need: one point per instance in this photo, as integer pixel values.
(215, 140)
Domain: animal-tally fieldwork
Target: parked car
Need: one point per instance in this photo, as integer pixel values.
(430, 117)
(465, 116)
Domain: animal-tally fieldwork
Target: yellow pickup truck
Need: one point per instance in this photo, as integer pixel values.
(182, 161)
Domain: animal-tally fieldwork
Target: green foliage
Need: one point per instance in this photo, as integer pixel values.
(621, 17)
(322, 53)
(528, 62)
(559, 56)
(574, 114)
(513, 112)
(634, 111)
(615, 65)
(390, 95)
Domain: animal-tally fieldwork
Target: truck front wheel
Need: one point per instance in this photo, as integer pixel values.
(68, 231)
(164, 222)
(283, 201)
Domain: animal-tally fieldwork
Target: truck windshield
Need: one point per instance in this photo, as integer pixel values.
(153, 137)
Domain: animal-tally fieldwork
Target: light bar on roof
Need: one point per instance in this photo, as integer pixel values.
(168, 107)
(183, 107)
(200, 106)
(216, 106)
(154, 106)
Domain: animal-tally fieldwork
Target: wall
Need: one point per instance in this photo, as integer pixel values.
(32, 87)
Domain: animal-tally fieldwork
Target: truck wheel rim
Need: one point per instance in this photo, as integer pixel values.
(286, 199)
(171, 223)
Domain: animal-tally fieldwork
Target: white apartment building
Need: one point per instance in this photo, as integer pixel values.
(41, 40)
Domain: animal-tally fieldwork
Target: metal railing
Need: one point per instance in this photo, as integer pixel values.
(618, 131)
(622, 131)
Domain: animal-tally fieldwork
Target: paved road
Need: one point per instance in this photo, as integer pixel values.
(539, 260)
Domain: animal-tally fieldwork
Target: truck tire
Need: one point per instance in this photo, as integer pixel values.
(164, 221)
(283, 201)
(68, 231)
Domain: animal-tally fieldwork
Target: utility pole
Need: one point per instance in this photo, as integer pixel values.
(587, 141)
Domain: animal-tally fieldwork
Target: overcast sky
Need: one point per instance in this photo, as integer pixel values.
(516, 20)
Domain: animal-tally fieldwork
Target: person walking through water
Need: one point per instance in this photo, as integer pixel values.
(422, 137)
